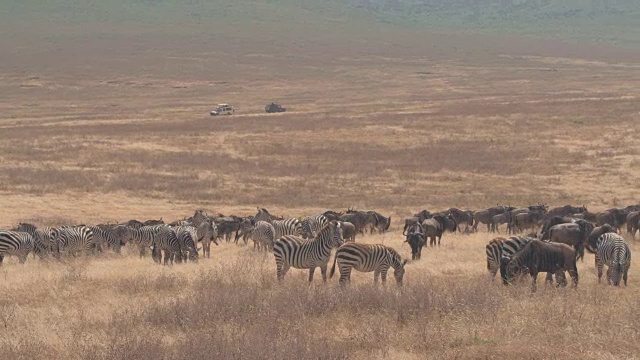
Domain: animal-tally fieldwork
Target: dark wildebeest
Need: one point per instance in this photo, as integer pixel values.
(551, 222)
(416, 239)
(539, 256)
(381, 223)
(599, 231)
(228, 226)
(528, 220)
(153, 222)
(362, 219)
(586, 215)
(614, 217)
(245, 229)
(633, 219)
(462, 217)
(415, 219)
(134, 224)
(497, 220)
(356, 220)
(348, 231)
(566, 210)
(332, 215)
(434, 227)
(575, 234)
(486, 216)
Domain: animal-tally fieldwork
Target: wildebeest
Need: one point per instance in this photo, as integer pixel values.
(415, 237)
(486, 216)
(356, 220)
(499, 219)
(599, 231)
(586, 215)
(633, 222)
(567, 210)
(575, 234)
(614, 217)
(348, 231)
(418, 218)
(462, 217)
(436, 226)
(551, 222)
(539, 256)
(527, 220)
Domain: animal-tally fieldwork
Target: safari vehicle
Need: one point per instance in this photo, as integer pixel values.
(222, 109)
(274, 108)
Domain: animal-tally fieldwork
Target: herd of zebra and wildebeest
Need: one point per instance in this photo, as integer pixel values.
(556, 238)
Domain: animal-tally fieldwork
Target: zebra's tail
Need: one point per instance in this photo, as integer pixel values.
(333, 268)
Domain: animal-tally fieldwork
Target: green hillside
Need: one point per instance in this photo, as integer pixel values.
(610, 21)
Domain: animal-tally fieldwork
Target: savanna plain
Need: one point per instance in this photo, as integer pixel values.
(104, 123)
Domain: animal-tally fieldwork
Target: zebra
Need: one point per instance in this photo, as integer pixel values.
(72, 239)
(289, 226)
(494, 254)
(612, 250)
(40, 236)
(312, 224)
(143, 236)
(165, 239)
(16, 243)
(366, 258)
(187, 238)
(108, 236)
(207, 232)
(292, 251)
(263, 236)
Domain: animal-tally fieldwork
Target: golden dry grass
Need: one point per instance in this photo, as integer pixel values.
(110, 134)
(231, 306)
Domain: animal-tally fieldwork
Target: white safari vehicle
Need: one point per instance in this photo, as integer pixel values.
(222, 109)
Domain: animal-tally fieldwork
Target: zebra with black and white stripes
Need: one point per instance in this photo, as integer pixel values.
(143, 236)
(293, 251)
(263, 236)
(612, 250)
(312, 224)
(16, 243)
(366, 258)
(72, 240)
(289, 226)
(494, 254)
(41, 237)
(187, 239)
(165, 240)
(109, 237)
(207, 232)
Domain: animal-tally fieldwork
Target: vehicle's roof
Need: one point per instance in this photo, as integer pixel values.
(223, 104)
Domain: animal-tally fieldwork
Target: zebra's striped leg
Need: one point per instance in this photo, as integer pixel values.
(1, 259)
(281, 271)
(376, 274)
(311, 271)
(323, 271)
(383, 275)
(609, 272)
(624, 275)
(345, 276)
(599, 267)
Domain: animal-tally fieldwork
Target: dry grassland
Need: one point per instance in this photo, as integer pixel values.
(121, 131)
